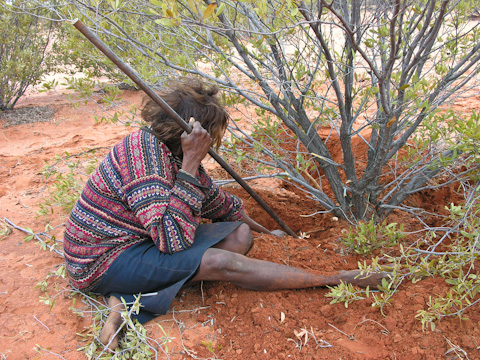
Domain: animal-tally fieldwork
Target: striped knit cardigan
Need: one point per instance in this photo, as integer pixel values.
(134, 195)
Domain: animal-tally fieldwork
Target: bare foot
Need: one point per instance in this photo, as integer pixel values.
(108, 336)
(367, 279)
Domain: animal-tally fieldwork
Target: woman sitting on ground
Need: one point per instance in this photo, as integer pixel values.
(136, 227)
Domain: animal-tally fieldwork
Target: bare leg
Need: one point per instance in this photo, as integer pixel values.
(223, 265)
(239, 241)
(225, 262)
(113, 323)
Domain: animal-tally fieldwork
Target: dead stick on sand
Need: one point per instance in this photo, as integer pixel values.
(127, 70)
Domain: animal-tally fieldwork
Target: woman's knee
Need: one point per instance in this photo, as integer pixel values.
(218, 263)
(242, 238)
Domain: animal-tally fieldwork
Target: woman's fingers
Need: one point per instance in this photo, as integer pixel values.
(196, 144)
(199, 132)
(191, 123)
(196, 127)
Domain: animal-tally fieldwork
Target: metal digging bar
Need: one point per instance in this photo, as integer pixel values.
(181, 122)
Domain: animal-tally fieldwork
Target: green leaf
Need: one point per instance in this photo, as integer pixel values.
(30, 231)
(191, 6)
(220, 9)
(370, 43)
(165, 22)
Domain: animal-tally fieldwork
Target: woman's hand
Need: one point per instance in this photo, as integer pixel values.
(195, 147)
(259, 228)
(278, 233)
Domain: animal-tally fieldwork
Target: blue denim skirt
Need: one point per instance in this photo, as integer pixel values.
(143, 269)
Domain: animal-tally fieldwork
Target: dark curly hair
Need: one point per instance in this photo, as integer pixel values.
(189, 98)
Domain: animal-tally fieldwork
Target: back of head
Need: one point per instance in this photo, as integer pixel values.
(189, 98)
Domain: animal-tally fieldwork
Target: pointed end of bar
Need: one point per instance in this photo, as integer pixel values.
(75, 21)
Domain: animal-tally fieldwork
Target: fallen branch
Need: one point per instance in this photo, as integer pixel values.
(37, 237)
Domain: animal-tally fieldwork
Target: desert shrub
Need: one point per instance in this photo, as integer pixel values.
(373, 76)
(26, 37)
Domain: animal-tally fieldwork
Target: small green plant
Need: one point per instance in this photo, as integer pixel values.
(45, 240)
(43, 285)
(346, 293)
(369, 236)
(456, 264)
(384, 297)
(397, 272)
(462, 294)
(165, 339)
(210, 347)
(5, 229)
(67, 182)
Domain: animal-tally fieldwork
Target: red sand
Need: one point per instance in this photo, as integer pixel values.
(238, 324)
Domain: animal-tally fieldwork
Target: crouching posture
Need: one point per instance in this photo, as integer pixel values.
(136, 227)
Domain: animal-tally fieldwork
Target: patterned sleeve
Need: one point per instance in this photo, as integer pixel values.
(219, 205)
(168, 208)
